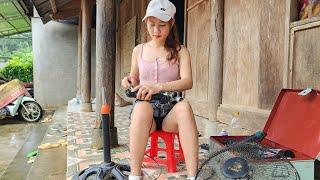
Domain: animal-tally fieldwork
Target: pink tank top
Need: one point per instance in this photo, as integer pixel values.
(157, 71)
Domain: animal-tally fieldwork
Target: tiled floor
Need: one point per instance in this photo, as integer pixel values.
(81, 155)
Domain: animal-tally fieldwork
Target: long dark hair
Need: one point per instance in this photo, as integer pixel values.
(172, 45)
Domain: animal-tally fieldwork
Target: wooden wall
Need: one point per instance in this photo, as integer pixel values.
(130, 32)
(304, 54)
(254, 51)
(254, 36)
(198, 40)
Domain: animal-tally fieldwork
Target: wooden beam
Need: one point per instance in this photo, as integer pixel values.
(70, 5)
(53, 6)
(66, 14)
(68, 9)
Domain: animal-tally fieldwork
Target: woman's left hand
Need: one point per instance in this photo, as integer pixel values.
(146, 91)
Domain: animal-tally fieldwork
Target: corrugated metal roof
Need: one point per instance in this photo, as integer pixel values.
(15, 14)
(14, 17)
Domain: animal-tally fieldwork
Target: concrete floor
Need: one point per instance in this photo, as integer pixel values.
(13, 134)
(52, 163)
(17, 139)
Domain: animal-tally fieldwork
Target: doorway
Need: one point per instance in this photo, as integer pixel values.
(180, 18)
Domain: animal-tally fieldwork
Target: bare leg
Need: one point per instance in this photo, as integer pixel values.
(140, 127)
(181, 119)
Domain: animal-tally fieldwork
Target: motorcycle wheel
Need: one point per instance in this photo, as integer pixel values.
(35, 111)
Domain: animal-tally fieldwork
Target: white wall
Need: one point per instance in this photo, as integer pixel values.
(55, 62)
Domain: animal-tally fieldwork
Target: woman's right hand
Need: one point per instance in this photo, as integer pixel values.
(128, 82)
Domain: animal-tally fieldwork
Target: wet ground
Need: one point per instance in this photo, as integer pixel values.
(13, 134)
(16, 140)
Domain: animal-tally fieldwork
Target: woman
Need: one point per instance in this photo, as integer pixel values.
(161, 65)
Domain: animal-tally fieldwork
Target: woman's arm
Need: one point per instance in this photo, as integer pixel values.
(185, 82)
(134, 71)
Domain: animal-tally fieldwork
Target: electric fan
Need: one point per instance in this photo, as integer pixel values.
(248, 160)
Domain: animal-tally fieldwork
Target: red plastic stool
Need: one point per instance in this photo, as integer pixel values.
(173, 156)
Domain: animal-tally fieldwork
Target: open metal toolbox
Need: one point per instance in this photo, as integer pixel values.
(293, 124)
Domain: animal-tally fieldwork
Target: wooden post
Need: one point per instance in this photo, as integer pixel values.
(106, 59)
(215, 59)
(78, 96)
(86, 55)
(291, 14)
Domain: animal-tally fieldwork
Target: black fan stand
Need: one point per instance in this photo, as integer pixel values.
(107, 169)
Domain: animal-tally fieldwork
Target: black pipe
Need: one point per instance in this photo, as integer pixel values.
(106, 137)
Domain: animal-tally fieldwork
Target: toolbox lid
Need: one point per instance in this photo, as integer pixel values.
(294, 122)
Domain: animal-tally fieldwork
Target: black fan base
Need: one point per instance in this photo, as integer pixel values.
(104, 171)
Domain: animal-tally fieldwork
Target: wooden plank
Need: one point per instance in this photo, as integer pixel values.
(306, 26)
(61, 3)
(191, 2)
(120, 94)
(202, 68)
(143, 35)
(66, 14)
(306, 57)
(253, 52)
(291, 14)
(68, 9)
(74, 4)
(271, 51)
(128, 43)
(305, 21)
(198, 29)
(301, 69)
(191, 43)
(241, 53)
(128, 37)
(53, 6)
(286, 45)
(291, 41)
(195, 5)
(122, 14)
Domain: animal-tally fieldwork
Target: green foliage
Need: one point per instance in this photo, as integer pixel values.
(19, 66)
(11, 44)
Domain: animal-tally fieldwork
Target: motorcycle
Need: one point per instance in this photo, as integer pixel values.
(17, 101)
(26, 107)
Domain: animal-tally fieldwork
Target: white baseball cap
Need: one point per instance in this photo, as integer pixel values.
(161, 9)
